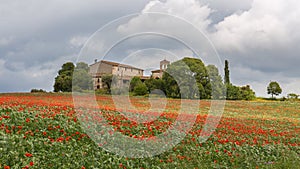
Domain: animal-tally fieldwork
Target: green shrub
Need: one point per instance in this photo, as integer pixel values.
(38, 91)
(102, 91)
(140, 89)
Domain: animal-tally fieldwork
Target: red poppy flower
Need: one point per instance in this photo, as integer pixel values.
(28, 155)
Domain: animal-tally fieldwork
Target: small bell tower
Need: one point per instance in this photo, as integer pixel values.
(164, 65)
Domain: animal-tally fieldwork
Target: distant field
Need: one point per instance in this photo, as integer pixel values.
(43, 131)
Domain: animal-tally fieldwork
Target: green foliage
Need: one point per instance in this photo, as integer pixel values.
(134, 82)
(107, 82)
(38, 91)
(101, 91)
(140, 89)
(82, 66)
(240, 93)
(187, 78)
(274, 89)
(293, 96)
(63, 82)
(247, 93)
(226, 69)
(70, 77)
(153, 84)
(233, 92)
(82, 80)
(67, 69)
(218, 88)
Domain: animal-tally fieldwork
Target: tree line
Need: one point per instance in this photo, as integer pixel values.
(187, 78)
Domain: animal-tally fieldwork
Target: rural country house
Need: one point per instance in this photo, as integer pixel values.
(123, 72)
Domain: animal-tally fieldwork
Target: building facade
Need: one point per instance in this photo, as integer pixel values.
(123, 73)
(157, 74)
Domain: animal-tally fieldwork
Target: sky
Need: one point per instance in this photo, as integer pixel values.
(260, 38)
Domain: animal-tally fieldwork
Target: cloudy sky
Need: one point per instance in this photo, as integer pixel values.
(260, 38)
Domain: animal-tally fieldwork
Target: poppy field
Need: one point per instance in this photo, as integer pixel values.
(43, 131)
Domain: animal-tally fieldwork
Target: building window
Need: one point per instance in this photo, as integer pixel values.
(98, 86)
(98, 80)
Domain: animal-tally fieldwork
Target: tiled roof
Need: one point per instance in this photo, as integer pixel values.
(156, 71)
(117, 64)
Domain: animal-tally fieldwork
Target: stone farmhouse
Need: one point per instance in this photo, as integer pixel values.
(123, 72)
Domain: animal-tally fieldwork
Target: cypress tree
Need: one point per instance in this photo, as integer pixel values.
(226, 69)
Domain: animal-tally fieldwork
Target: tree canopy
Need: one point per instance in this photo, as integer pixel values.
(274, 89)
(218, 88)
(70, 76)
(82, 80)
(63, 82)
(187, 78)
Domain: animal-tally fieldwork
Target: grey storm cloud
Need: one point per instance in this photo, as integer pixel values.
(37, 37)
(259, 38)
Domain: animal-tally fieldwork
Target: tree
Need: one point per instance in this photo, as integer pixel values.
(226, 69)
(70, 77)
(247, 93)
(233, 92)
(67, 69)
(82, 80)
(140, 89)
(153, 84)
(134, 82)
(107, 81)
(292, 96)
(240, 93)
(218, 88)
(187, 78)
(82, 66)
(63, 82)
(274, 89)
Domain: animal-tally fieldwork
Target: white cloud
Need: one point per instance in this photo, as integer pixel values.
(39, 76)
(78, 41)
(267, 25)
(194, 11)
(151, 57)
(228, 5)
(191, 10)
